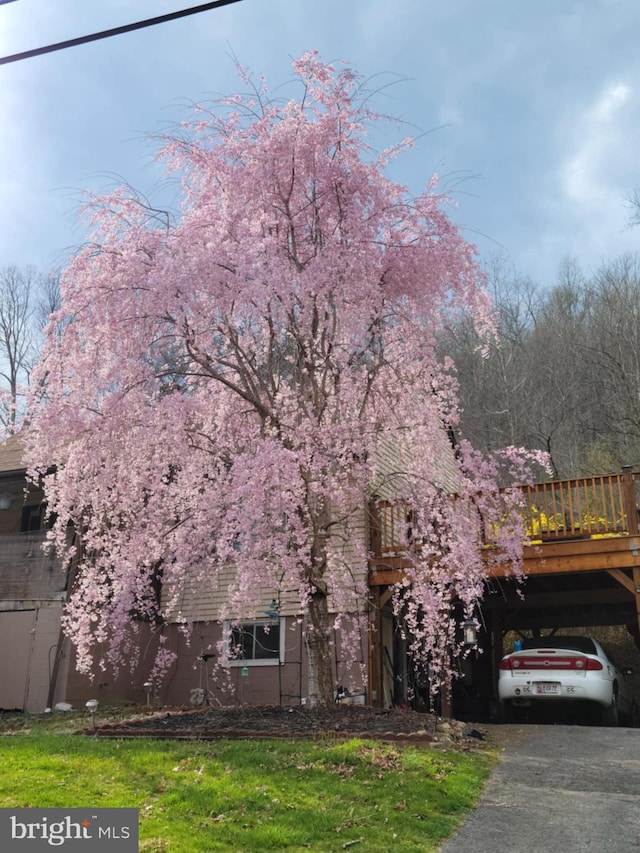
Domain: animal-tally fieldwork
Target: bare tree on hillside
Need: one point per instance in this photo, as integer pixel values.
(634, 207)
(48, 301)
(26, 300)
(613, 356)
(530, 389)
(493, 385)
(558, 379)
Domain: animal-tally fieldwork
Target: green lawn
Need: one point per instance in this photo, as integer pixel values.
(252, 796)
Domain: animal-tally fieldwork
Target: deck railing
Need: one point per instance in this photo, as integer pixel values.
(391, 528)
(582, 508)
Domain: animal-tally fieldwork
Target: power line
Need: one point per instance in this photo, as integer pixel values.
(116, 31)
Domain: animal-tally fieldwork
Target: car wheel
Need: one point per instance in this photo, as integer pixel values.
(611, 715)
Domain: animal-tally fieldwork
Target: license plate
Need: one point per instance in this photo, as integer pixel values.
(547, 687)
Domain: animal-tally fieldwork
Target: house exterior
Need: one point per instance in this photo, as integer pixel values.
(33, 588)
(586, 577)
(272, 666)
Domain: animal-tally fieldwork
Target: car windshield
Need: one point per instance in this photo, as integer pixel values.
(574, 644)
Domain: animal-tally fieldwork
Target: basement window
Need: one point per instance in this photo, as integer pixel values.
(256, 643)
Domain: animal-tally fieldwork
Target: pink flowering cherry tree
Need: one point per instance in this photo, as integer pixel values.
(217, 385)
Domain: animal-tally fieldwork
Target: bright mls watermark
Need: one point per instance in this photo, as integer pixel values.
(85, 830)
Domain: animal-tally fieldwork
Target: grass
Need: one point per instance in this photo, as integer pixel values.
(251, 796)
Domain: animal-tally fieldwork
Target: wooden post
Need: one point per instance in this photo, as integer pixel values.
(630, 501)
(374, 528)
(631, 512)
(497, 649)
(375, 649)
(636, 585)
(446, 704)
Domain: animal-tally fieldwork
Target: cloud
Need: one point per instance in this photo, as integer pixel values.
(599, 138)
(581, 205)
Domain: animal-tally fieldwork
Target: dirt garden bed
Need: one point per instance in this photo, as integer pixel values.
(291, 722)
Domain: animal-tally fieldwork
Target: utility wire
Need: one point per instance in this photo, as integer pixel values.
(116, 31)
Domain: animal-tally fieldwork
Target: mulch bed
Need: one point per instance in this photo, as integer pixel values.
(293, 722)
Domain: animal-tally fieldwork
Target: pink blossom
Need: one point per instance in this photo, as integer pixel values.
(216, 387)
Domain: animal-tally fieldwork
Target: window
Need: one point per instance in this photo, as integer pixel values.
(32, 518)
(258, 643)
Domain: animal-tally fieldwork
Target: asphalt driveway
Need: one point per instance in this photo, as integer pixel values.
(559, 788)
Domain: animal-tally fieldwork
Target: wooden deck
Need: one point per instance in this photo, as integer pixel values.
(588, 525)
(581, 567)
(578, 526)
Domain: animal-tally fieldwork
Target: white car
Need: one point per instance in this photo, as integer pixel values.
(564, 669)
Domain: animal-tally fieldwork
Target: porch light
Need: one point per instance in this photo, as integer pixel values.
(470, 632)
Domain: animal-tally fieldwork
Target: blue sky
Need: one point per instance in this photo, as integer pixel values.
(530, 111)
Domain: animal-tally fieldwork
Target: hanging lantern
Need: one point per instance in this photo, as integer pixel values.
(470, 632)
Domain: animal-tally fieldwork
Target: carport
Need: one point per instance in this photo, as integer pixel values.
(581, 569)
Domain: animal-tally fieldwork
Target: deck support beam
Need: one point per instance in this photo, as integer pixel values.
(636, 583)
(632, 585)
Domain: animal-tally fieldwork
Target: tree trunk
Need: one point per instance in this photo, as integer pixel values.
(320, 681)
